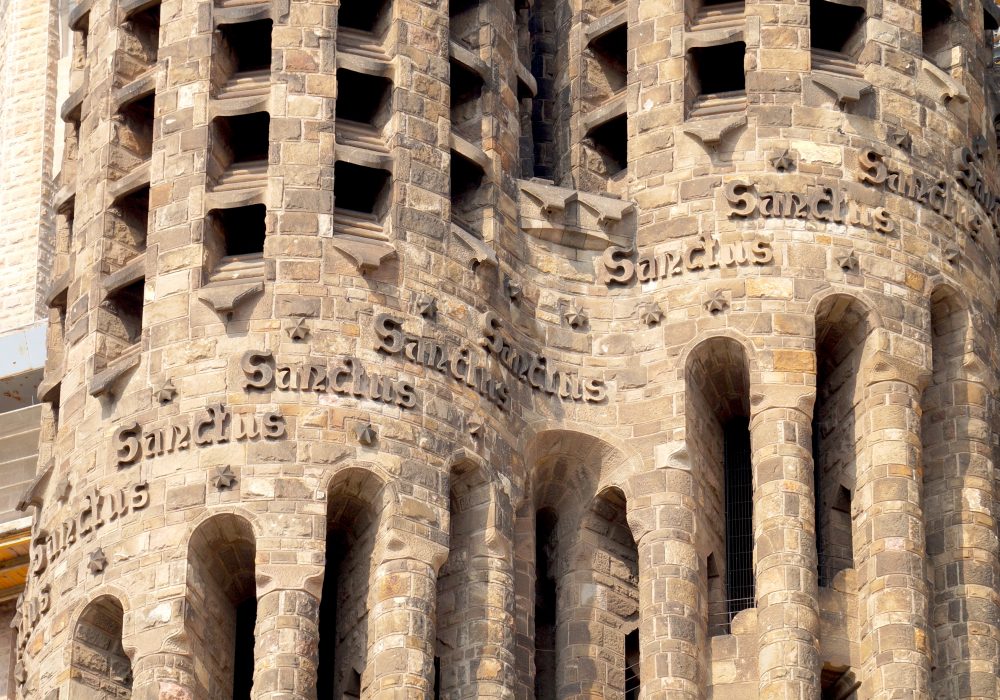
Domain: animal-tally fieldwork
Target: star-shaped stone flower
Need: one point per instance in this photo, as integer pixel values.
(901, 138)
(980, 145)
(298, 329)
(651, 314)
(427, 307)
(166, 392)
(98, 562)
(848, 261)
(576, 317)
(474, 427)
(783, 162)
(224, 478)
(952, 253)
(365, 434)
(716, 301)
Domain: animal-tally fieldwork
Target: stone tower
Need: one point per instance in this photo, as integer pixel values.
(521, 349)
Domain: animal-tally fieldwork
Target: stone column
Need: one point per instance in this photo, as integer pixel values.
(889, 532)
(672, 629)
(961, 537)
(286, 646)
(164, 675)
(401, 606)
(784, 515)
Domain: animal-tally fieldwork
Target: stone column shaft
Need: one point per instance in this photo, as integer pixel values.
(164, 676)
(286, 648)
(785, 552)
(889, 544)
(401, 630)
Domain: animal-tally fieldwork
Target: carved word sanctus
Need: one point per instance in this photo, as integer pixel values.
(536, 370)
(215, 425)
(938, 195)
(818, 203)
(704, 253)
(346, 377)
(97, 508)
(457, 363)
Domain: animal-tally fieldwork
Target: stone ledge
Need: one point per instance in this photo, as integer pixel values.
(225, 297)
(105, 382)
(711, 130)
(141, 87)
(133, 271)
(366, 254)
(482, 253)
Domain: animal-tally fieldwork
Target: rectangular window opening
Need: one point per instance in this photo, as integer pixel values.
(363, 98)
(611, 51)
(936, 17)
(361, 200)
(632, 676)
(835, 28)
(239, 151)
(143, 36)
(468, 196)
(363, 15)
(610, 140)
(240, 231)
(125, 306)
(133, 216)
(466, 100)
(712, 14)
(136, 137)
(740, 589)
(246, 47)
(464, 23)
(717, 79)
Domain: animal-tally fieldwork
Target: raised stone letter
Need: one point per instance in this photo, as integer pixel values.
(390, 334)
(127, 444)
(617, 265)
(258, 369)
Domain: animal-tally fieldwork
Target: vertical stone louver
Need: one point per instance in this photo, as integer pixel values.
(521, 349)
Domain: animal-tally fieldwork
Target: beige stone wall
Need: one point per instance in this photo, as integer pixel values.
(323, 345)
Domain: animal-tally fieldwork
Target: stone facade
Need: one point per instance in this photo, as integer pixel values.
(521, 348)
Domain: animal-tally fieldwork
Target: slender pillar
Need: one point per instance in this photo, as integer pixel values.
(784, 515)
(672, 629)
(286, 646)
(401, 629)
(961, 539)
(889, 534)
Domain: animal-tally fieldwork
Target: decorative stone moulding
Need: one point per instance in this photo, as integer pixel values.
(610, 21)
(716, 301)
(427, 307)
(104, 384)
(236, 12)
(935, 82)
(130, 7)
(525, 78)
(34, 493)
(65, 195)
(712, 130)
(900, 138)
(367, 254)
(575, 219)
(51, 386)
(471, 61)
(481, 252)
(232, 199)
(297, 328)
(166, 392)
(142, 86)
(848, 261)
(783, 162)
(225, 297)
(365, 63)
(615, 107)
(70, 110)
(133, 271)
(844, 89)
(59, 286)
(225, 478)
(467, 149)
(236, 104)
(79, 13)
(133, 182)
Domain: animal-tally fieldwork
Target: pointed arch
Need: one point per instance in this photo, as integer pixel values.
(99, 667)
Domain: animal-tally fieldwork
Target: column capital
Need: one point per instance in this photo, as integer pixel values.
(883, 366)
(789, 397)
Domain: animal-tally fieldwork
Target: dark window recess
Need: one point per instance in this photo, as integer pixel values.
(125, 304)
(545, 605)
(335, 546)
(363, 98)
(134, 209)
(357, 188)
(437, 677)
(466, 91)
(610, 140)
(739, 518)
(544, 42)
(935, 16)
(241, 230)
(362, 14)
(991, 25)
(832, 25)
(249, 45)
(246, 136)
(719, 69)
(611, 51)
(460, 7)
(145, 27)
(138, 119)
(632, 685)
(246, 621)
(466, 188)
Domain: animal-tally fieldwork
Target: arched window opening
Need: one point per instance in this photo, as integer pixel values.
(352, 526)
(718, 437)
(100, 670)
(546, 522)
(842, 328)
(222, 602)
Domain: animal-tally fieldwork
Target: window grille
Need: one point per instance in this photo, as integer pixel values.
(739, 520)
